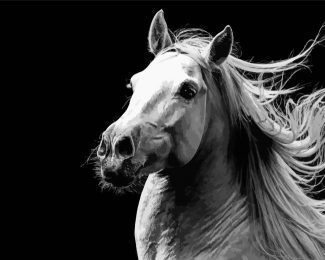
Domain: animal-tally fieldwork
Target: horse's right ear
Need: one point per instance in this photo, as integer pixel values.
(220, 47)
(158, 37)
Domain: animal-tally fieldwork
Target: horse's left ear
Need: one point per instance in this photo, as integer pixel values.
(220, 47)
(158, 37)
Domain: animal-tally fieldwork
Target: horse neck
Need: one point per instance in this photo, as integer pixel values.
(197, 207)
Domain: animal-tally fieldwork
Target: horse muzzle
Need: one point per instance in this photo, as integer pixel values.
(138, 151)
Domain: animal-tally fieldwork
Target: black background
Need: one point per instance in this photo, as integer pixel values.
(70, 63)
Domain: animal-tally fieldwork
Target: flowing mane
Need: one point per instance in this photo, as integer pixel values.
(279, 153)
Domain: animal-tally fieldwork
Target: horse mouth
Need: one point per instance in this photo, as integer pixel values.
(120, 179)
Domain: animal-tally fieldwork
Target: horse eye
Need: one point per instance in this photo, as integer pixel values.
(187, 91)
(129, 84)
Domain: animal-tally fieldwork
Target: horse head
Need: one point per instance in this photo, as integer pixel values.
(166, 118)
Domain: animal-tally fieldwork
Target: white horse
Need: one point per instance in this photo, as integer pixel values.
(229, 171)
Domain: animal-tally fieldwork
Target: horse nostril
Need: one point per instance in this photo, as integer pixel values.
(124, 146)
(102, 149)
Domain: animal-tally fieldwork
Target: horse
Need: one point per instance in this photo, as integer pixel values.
(230, 172)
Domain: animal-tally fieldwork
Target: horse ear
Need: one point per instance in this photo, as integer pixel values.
(220, 47)
(158, 37)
